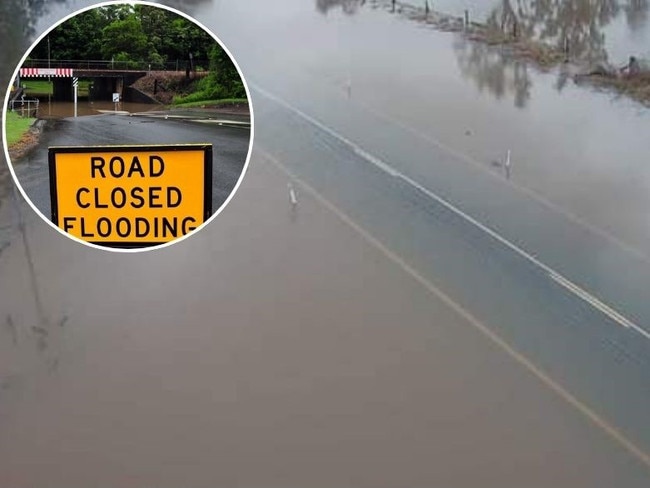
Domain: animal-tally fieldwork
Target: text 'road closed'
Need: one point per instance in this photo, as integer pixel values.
(130, 196)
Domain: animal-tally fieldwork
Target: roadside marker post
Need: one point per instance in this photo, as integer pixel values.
(292, 195)
(75, 86)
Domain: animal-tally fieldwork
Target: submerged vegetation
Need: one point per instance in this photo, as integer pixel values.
(566, 35)
(547, 34)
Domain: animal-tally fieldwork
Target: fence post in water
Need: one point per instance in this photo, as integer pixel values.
(393, 5)
(426, 7)
(514, 29)
(566, 48)
(466, 19)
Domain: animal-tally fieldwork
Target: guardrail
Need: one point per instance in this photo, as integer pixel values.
(26, 108)
(177, 65)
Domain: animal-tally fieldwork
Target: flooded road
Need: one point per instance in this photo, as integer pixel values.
(274, 368)
(59, 110)
(575, 147)
(368, 335)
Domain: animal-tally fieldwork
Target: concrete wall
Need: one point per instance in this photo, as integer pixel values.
(134, 95)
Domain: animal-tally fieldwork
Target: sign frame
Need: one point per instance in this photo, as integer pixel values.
(207, 179)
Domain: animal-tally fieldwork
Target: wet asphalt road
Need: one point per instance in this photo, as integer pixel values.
(230, 148)
(596, 358)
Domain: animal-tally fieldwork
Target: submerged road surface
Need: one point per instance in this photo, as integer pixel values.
(528, 298)
(230, 148)
(281, 346)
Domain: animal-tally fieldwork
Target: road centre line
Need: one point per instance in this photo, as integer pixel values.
(597, 304)
(610, 430)
(556, 276)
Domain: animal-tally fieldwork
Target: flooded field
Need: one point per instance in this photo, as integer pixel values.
(612, 30)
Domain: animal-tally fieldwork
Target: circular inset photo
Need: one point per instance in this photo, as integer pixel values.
(128, 126)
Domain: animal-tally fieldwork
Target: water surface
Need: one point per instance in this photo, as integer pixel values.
(582, 149)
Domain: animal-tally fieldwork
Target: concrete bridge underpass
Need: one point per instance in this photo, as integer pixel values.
(104, 82)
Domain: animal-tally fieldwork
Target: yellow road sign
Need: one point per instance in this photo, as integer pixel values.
(130, 196)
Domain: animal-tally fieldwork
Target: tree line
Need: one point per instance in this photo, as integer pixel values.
(128, 35)
(139, 36)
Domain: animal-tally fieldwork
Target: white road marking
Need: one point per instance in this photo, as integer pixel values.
(218, 121)
(600, 422)
(594, 302)
(556, 276)
(522, 189)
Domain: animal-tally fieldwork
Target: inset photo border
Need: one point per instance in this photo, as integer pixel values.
(128, 126)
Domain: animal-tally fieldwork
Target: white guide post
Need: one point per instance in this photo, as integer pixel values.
(75, 86)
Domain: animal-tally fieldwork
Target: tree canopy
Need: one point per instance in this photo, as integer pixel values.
(129, 33)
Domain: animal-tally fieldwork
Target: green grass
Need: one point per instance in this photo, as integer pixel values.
(16, 127)
(84, 86)
(35, 88)
(212, 103)
(43, 88)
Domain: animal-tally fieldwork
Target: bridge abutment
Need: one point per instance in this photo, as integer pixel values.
(103, 83)
(62, 89)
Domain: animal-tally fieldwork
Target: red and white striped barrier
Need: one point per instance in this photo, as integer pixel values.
(60, 72)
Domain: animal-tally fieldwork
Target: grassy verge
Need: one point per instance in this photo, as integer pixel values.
(16, 127)
(212, 103)
(44, 88)
(37, 88)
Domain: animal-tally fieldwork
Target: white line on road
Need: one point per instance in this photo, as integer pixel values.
(529, 192)
(607, 310)
(557, 277)
(609, 429)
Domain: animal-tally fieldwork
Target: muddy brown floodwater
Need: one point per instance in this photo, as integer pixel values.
(49, 110)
